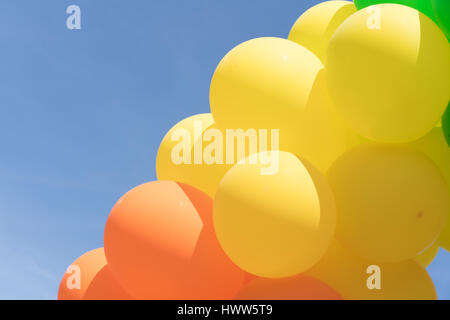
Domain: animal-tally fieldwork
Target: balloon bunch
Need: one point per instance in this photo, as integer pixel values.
(350, 201)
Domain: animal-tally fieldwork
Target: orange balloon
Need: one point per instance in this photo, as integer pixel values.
(248, 277)
(160, 244)
(295, 288)
(89, 278)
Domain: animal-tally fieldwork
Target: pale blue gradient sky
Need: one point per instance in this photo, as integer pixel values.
(83, 113)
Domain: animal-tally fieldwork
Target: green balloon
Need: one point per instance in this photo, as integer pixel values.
(423, 6)
(441, 9)
(446, 124)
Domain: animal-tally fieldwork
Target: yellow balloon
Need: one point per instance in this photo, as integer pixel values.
(320, 136)
(316, 26)
(427, 257)
(352, 277)
(273, 83)
(274, 225)
(388, 71)
(435, 147)
(444, 238)
(169, 165)
(196, 152)
(392, 202)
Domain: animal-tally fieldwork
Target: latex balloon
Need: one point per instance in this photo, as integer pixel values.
(274, 225)
(175, 160)
(389, 77)
(434, 146)
(441, 10)
(89, 278)
(263, 83)
(294, 288)
(423, 6)
(427, 257)
(358, 279)
(196, 152)
(316, 26)
(392, 202)
(446, 125)
(160, 244)
(276, 84)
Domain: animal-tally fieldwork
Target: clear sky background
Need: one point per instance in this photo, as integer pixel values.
(83, 113)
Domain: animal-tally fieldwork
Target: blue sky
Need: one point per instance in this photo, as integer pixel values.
(83, 113)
